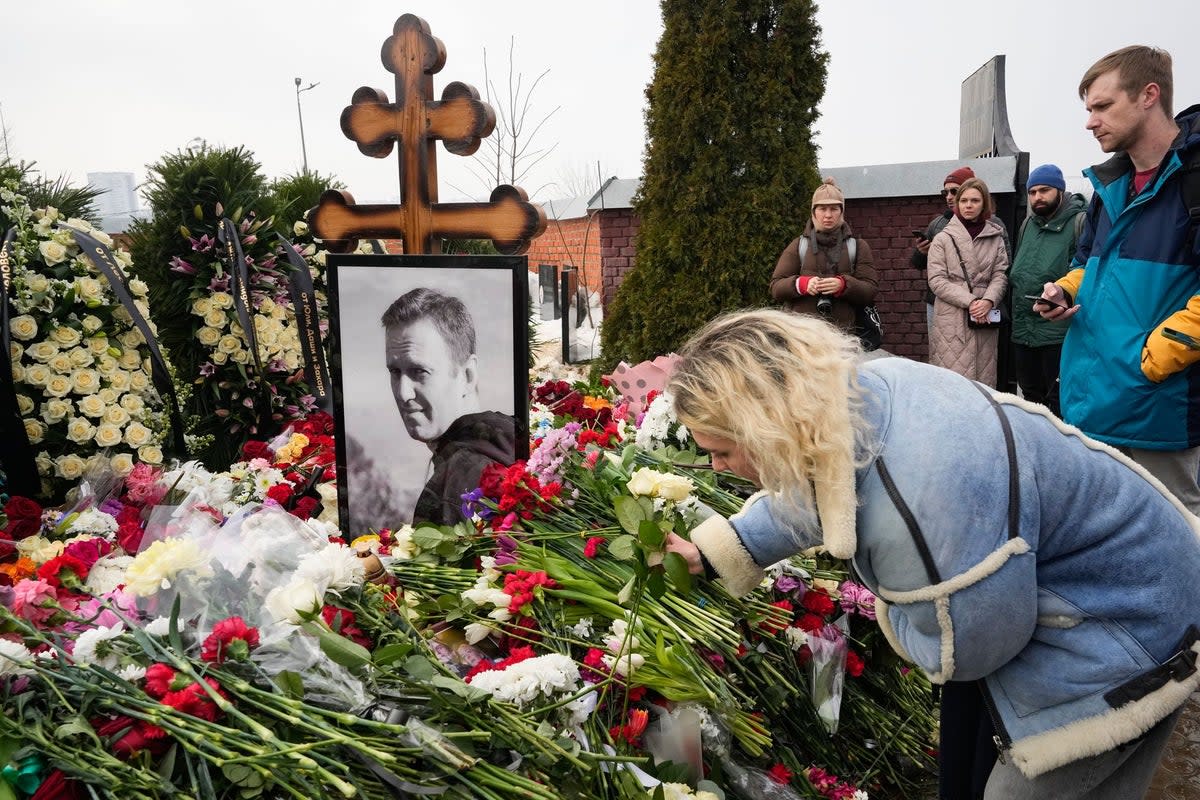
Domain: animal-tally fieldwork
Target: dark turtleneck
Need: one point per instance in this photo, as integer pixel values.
(975, 226)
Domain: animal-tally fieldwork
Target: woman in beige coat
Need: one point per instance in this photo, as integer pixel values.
(967, 266)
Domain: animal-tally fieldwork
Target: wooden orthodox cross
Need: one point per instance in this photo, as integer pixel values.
(461, 120)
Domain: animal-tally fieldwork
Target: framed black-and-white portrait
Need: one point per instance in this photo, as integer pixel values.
(430, 370)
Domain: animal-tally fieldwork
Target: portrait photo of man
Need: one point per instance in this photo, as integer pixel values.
(431, 384)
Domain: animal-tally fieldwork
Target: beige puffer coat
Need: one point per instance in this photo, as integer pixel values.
(971, 352)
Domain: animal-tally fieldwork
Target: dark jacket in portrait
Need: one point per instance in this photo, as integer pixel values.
(472, 442)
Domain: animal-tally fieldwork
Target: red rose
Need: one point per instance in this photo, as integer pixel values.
(24, 517)
(255, 449)
(129, 535)
(305, 507)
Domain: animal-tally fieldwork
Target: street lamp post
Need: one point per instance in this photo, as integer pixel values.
(300, 114)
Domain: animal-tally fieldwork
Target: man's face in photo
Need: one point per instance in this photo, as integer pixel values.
(431, 388)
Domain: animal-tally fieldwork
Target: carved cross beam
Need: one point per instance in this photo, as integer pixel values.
(460, 120)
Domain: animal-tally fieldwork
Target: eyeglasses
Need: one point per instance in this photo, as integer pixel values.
(950, 192)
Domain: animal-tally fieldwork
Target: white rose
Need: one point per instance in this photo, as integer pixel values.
(15, 351)
(91, 406)
(229, 344)
(299, 597)
(138, 287)
(65, 337)
(88, 289)
(150, 454)
(106, 365)
(18, 373)
(39, 549)
(79, 430)
(201, 306)
(42, 351)
(131, 339)
(52, 252)
(23, 327)
(652, 483)
(222, 300)
(35, 430)
(38, 284)
(37, 375)
(219, 358)
(115, 415)
(138, 381)
(267, 306)
(240, 357)
(56, 410)
(43, 462)
(299, 228)
(133, 404)
(208, 336)
(130, 359)
(61, 363)
(108, 435)
(216, 318)
(122, 463)
(136, 434)
(79, 224)
(24, 405)
(85, 381)
(98, 345)
(91, 324)
(109, 395)
(69, 466)
(80, 357)
(119, 380)
(57, 385)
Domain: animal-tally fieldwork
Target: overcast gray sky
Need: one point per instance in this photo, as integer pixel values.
(111, 85)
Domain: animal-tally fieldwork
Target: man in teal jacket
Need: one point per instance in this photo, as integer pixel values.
(1046, 244)
(1137, 274)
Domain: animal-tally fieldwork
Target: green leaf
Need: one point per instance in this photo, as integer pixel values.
(173, 636)
(6, 791)
(463, 690)
(677, 570)
(242, 775)
(291, 683)
(339, 649)
(391, 653)
(427, 537)
(650, 535)
(628, 455)
(656, 583)
(622, 548)
(77, 726)
(166, 767)
(626, 592)
(420, 668)
(629, 513)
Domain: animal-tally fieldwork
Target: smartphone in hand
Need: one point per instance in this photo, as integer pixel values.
(1182, 338)
(1044, 301)
(917, 233)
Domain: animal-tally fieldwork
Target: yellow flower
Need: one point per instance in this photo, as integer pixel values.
(292, 450)
(39, 549)
(222, 300)
(208, 336)
(23, 327)
(160, 563)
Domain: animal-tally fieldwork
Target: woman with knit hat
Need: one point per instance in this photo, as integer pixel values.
(816, 274)
(968, 261)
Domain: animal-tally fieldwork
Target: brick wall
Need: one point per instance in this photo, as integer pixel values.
(618, 234)
(569, 243)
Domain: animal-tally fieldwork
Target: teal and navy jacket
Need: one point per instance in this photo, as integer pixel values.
(1137, 271)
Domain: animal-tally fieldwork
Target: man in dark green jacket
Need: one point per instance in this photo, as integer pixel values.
(1045, 246)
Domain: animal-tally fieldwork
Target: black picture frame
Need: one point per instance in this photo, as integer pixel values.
(381, 469)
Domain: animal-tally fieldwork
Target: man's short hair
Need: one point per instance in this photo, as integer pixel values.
(447, 313)
(1136, 66)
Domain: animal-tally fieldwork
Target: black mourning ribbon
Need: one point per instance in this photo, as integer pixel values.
(304, 303)
(16, 452)
(239, 287)
(102, 257)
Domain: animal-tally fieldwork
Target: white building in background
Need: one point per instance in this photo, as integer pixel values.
(117, 205)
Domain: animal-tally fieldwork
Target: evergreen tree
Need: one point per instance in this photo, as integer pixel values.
(729, 169)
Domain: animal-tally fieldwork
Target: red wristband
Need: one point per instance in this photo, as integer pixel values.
(802, 284)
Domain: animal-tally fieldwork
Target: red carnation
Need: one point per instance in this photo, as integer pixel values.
(159, 680)
(780, 774)
(818, 601)
(195, 700)
(341, 621)
(854, 664)
(593, 546)
(281, 493)
(810, 623)
(64, 571)
(305, 507)
(57, 786)
(133, 736)
(231, 639)
(129, 535)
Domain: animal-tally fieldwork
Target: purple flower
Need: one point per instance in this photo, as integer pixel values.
(181, 266)
(857, 598)
(507, 554)
(787, 583)
(471, 505)
(208, 368)
(220, 284)
(203, 244)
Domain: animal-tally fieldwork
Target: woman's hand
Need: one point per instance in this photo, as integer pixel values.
(689, 551)
(979, 309)
(824, 286)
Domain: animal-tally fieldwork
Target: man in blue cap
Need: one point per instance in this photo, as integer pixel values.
(1046, 244)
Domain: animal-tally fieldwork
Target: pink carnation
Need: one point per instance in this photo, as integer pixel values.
(34, 600)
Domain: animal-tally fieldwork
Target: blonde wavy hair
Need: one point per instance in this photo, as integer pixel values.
(784, 388)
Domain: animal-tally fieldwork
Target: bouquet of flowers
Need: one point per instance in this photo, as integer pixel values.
(80, 367)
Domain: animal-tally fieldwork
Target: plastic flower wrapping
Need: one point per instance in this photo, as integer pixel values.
(214, 634)
(80, 368)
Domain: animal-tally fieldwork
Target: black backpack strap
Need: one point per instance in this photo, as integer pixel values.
(1189, 190)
